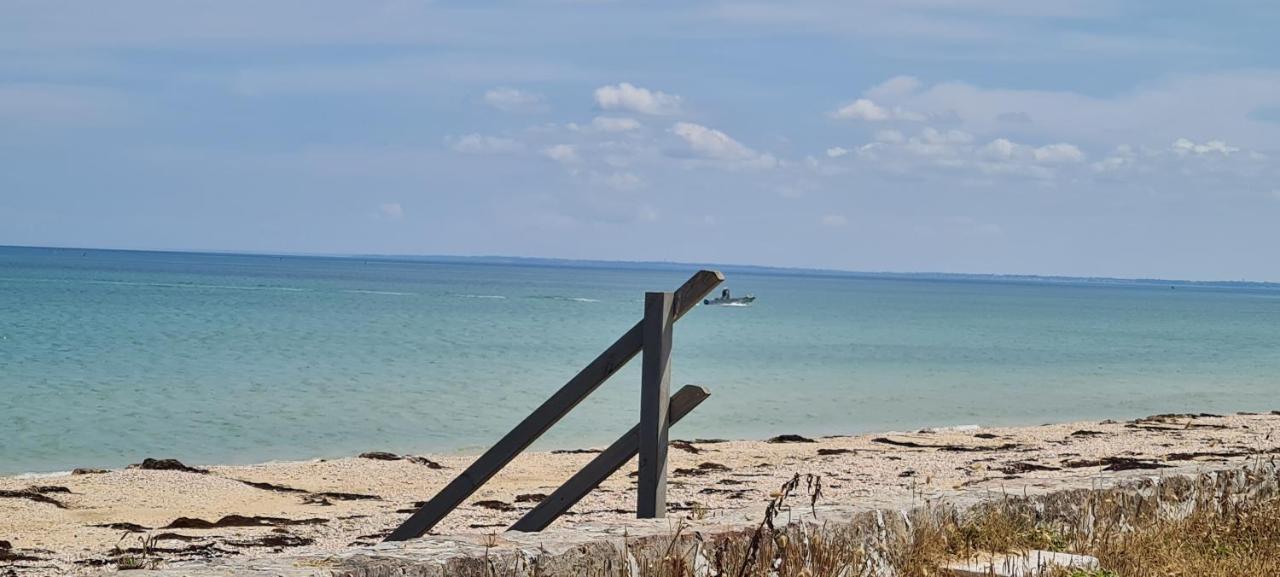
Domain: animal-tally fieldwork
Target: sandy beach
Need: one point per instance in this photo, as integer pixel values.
(56, 524)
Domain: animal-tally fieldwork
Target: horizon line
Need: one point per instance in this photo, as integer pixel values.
(655, 263)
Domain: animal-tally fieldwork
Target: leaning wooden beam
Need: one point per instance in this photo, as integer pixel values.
(604, 465)
(549, 413)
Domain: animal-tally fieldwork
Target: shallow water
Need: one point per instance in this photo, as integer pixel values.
(107, 357)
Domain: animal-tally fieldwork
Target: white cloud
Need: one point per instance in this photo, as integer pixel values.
(625, 96)
(1183, 147)
(1000, 148)
(894, 88)
(391, 210)
(1005, 149)
(863, 109)
(481, 144)
(713, 144)
(562, 153)
(1060, 152)
(614, 123)
(868, 110)
(837, 151)
(513, 100)
(834, 220)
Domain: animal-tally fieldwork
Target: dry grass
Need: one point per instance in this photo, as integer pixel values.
(1219, 538)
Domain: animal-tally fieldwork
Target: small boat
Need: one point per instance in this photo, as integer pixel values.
(728, 300)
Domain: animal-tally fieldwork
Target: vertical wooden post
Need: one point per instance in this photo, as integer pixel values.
(655, 375)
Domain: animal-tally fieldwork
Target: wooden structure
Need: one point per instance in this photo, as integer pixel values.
(652, 335)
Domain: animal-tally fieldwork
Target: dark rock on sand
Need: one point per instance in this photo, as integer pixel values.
(176, 537)
(270, 487)
(130, 527)
(531, 498)
(790, 439)
(1087, 433)
(834, 451)
(316, 500)
(240, 521)
(336, 496)
(88, 471)
(948, 448)
(496, 505)
(274, 540)
(30, 495)
(1019, 467)
(1116, 464)
(701, 470)
(685, 446)
(149, 464)
(428, 463)
(986, 436)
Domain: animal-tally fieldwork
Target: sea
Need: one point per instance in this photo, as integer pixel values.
(108, 357)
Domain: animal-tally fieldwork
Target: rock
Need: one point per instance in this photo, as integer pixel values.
(5, 545)
(30, 495)
(271, 487)
(428, 463)
(834, 451)
(275, 540)
(316, 500)
(1029, 564)
(1020, 467)
(149, 464)
(240, 521)
(531, 498)
(701, 470)
(685, 446)
(790, 439)
(129, 527)
(1087, 433)
(380, 456)
(347, 496)
(88, 471)
(1116, 464)
(496, 505)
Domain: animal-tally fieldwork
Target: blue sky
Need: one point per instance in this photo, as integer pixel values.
(1081, 138)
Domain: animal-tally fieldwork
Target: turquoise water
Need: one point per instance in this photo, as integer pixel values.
(107, 357)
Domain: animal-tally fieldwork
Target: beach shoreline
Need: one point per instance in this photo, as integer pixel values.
(75, 521)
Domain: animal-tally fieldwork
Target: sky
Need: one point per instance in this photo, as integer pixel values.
(1085, 138)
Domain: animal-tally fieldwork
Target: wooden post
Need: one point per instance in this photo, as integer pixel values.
(655, 380)
(606, 463)
(548, 413)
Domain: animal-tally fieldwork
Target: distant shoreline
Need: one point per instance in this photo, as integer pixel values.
(551, 262)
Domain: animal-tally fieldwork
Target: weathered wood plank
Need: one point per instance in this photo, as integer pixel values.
(605, 464)
(655, 380)
(548, 413)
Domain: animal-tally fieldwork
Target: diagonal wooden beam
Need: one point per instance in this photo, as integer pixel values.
(600, 468)
(549, 413)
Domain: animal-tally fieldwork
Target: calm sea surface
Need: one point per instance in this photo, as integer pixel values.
(107, 357)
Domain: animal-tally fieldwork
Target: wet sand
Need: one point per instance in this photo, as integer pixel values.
(57, 524)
